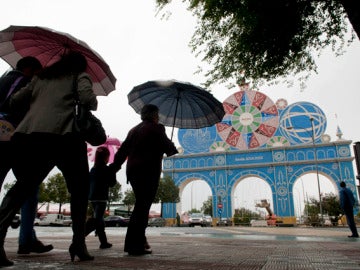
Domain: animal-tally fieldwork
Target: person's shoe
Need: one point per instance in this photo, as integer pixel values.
(353, 236)
(4, 261)
(105, 245)
(80, 251)
(35, 247)
(138, 252)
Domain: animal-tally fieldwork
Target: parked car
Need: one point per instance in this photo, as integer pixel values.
(208, 220)
(116, 221)
(197, 219)
(224, 222)
(157, 222)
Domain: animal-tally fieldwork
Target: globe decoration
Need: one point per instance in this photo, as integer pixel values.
(300, 121)
(251, 119)
(197, 140)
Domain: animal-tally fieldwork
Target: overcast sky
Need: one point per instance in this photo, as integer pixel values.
(139, 46)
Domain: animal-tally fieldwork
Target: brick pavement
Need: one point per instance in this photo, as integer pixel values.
(218, 248)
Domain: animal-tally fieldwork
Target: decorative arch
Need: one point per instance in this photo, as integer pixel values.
(280, 167)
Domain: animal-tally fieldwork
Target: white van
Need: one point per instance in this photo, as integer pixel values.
(53, 220)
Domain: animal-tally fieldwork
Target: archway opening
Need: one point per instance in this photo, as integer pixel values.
(248, 193)
(306, 188)
(193, 194)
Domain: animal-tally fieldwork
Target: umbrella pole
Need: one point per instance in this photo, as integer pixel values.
(176, 107)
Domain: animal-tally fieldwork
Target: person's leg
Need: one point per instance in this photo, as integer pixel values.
(135, 240)
(30, 168)
(72, 161)
(99, 211)
(351, 222)
(5, 160)
(28, 241)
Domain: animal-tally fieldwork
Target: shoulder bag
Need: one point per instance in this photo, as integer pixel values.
(85, 123)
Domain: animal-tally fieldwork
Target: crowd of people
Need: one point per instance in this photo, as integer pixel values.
(37, 106)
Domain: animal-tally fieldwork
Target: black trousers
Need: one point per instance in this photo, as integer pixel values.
(35, 156)
(144, 188)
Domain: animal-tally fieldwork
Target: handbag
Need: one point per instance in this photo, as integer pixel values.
(85, 123)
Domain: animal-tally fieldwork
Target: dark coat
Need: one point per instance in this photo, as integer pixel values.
(101, 179)
(144, 148)
(347, 200)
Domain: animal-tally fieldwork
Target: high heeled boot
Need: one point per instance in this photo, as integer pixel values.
(4, 261)
(81, 251)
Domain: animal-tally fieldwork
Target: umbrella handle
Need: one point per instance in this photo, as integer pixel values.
(176, 107)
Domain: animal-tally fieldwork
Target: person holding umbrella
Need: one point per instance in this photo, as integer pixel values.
(143, 148)
(45, 139)
(10, 83)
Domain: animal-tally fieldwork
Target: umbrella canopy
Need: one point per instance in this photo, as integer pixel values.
(48, 46)
(181, 104)
(112, 144)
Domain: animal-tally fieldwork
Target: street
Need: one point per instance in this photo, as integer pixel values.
(202, 248)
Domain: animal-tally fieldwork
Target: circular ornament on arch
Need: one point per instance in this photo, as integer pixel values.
(251, 119)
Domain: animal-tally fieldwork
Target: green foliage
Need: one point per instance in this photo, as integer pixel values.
(115, 194)
(167, 192)
(330, 206)
(56, 190)
(129, 198)
(267, 39)
(194, 210)
(243, 216)
(207, 207)
(43, 195)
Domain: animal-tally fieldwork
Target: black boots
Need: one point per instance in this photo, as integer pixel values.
(103, 240)
(35, 247)
(80, 250)
(4, 261)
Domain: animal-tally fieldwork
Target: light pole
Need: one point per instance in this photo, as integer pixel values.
(316, 161)
(317, 169)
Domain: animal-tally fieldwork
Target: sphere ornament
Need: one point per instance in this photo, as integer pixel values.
(301, 122)
(197, 140)
(251, 119)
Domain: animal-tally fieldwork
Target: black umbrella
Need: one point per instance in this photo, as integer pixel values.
(181, 104)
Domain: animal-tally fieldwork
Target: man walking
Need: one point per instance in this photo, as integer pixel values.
(347, 202)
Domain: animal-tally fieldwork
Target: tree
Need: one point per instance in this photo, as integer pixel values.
(129, 199)
(265, 40)
(57, 191)
(167, 192)
(330, 205)
(115, 194)
(243, 216)
(207, 207)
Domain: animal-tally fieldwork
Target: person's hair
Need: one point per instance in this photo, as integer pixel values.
(342, 184)
(101, 155)
(28, 62)
(69, 64)
(149, 112)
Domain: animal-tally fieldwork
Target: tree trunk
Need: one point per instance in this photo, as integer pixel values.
(352, 9)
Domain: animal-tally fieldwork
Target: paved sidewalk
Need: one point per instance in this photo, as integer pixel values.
(216, 248)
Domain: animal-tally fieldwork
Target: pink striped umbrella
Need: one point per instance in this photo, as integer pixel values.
(48, 46)
(112, 144)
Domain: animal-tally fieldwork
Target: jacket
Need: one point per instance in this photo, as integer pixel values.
(52, 104)
(101, 179)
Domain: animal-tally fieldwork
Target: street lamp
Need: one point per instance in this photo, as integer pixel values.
(316, 161)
